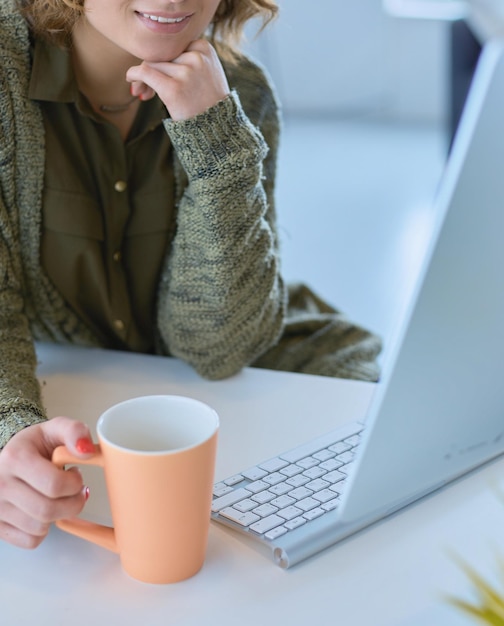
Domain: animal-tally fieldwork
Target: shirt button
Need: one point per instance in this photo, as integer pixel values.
(117, 256)
(120, 186)
(119, 325)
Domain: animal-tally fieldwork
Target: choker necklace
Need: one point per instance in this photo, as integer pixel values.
(116, 108)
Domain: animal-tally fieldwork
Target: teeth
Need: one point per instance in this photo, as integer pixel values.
(163, 20)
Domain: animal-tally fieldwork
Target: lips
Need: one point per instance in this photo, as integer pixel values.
(162, 19)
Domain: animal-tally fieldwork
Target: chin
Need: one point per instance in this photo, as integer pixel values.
(160, 55)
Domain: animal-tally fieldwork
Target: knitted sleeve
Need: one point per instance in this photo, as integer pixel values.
(223, 299)
(20, 403)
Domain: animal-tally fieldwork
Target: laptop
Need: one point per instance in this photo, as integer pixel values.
(438, 411)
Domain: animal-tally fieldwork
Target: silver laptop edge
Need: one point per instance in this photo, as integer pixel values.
(440, 397)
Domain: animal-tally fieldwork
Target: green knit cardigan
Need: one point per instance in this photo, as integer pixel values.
(221, 300)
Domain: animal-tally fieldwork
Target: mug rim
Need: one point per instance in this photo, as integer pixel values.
(187, 399)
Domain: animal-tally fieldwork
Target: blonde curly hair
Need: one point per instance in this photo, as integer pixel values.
(55, 19)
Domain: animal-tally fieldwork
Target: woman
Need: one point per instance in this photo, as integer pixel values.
(137, 168)
(136, 209)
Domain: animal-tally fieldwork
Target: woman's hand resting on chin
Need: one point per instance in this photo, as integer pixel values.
(188, 85)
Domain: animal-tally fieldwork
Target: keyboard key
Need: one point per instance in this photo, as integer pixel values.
(263, 496)
(291, 470)
(346, 457)
(244, 519)
(283, 501)
(340, 447)
(265, 509)
(338, 488)
(281, 488)
(300, 493)
(254, 473)
(257, 486)
(245, 505)
(274, 478)
(267, 523)
(307, 504)
(318, 485)
(276, 532)
(323, 496)
(314, 472)
(353, 441)
(230, 498)
(295, 523)
(221, 489)
(233, 480)
(330, 465)
(323, 455)
(334, 477)
(308, 462)
(291, 512)
(298, 481)
(330, 505)
(273, 465)
(313, 513)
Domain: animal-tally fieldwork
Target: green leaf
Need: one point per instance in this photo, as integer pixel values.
(490, 606)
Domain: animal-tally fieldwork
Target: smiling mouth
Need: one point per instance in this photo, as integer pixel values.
(163, 20)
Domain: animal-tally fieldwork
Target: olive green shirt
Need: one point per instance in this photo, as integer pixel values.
(107, 205)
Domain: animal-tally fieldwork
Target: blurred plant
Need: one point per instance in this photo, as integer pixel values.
(489, 606)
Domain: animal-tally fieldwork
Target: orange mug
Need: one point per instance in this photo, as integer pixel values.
(158, 455)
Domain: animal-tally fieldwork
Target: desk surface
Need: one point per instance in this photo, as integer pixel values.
(396, 573)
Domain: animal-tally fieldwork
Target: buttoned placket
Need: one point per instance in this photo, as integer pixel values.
(117, 213)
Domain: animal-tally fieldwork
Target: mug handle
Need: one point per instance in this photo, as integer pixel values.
(103, 536)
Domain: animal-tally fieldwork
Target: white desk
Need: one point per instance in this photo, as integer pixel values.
(394, 574)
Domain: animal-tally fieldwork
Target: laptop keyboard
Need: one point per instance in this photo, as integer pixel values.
(288, 491)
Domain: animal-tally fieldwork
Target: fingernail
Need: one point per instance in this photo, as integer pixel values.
(86, 493)
(85, 446)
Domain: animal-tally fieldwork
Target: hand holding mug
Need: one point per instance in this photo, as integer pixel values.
(158, 454)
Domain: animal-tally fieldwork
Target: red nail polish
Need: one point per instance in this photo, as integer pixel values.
(85, 446)
(86, 493)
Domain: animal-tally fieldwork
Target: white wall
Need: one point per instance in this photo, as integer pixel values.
(350, 57)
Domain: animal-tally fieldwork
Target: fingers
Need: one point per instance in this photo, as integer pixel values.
(26, 531)
(147, 77)
(15, 518)
(188, 85)
(20, 539)
(142, 91)
(62, 431)
(199, 45)
(33, 491)
(27, 457)
(28, 521)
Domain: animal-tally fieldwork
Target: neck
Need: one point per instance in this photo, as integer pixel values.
(102, 83)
